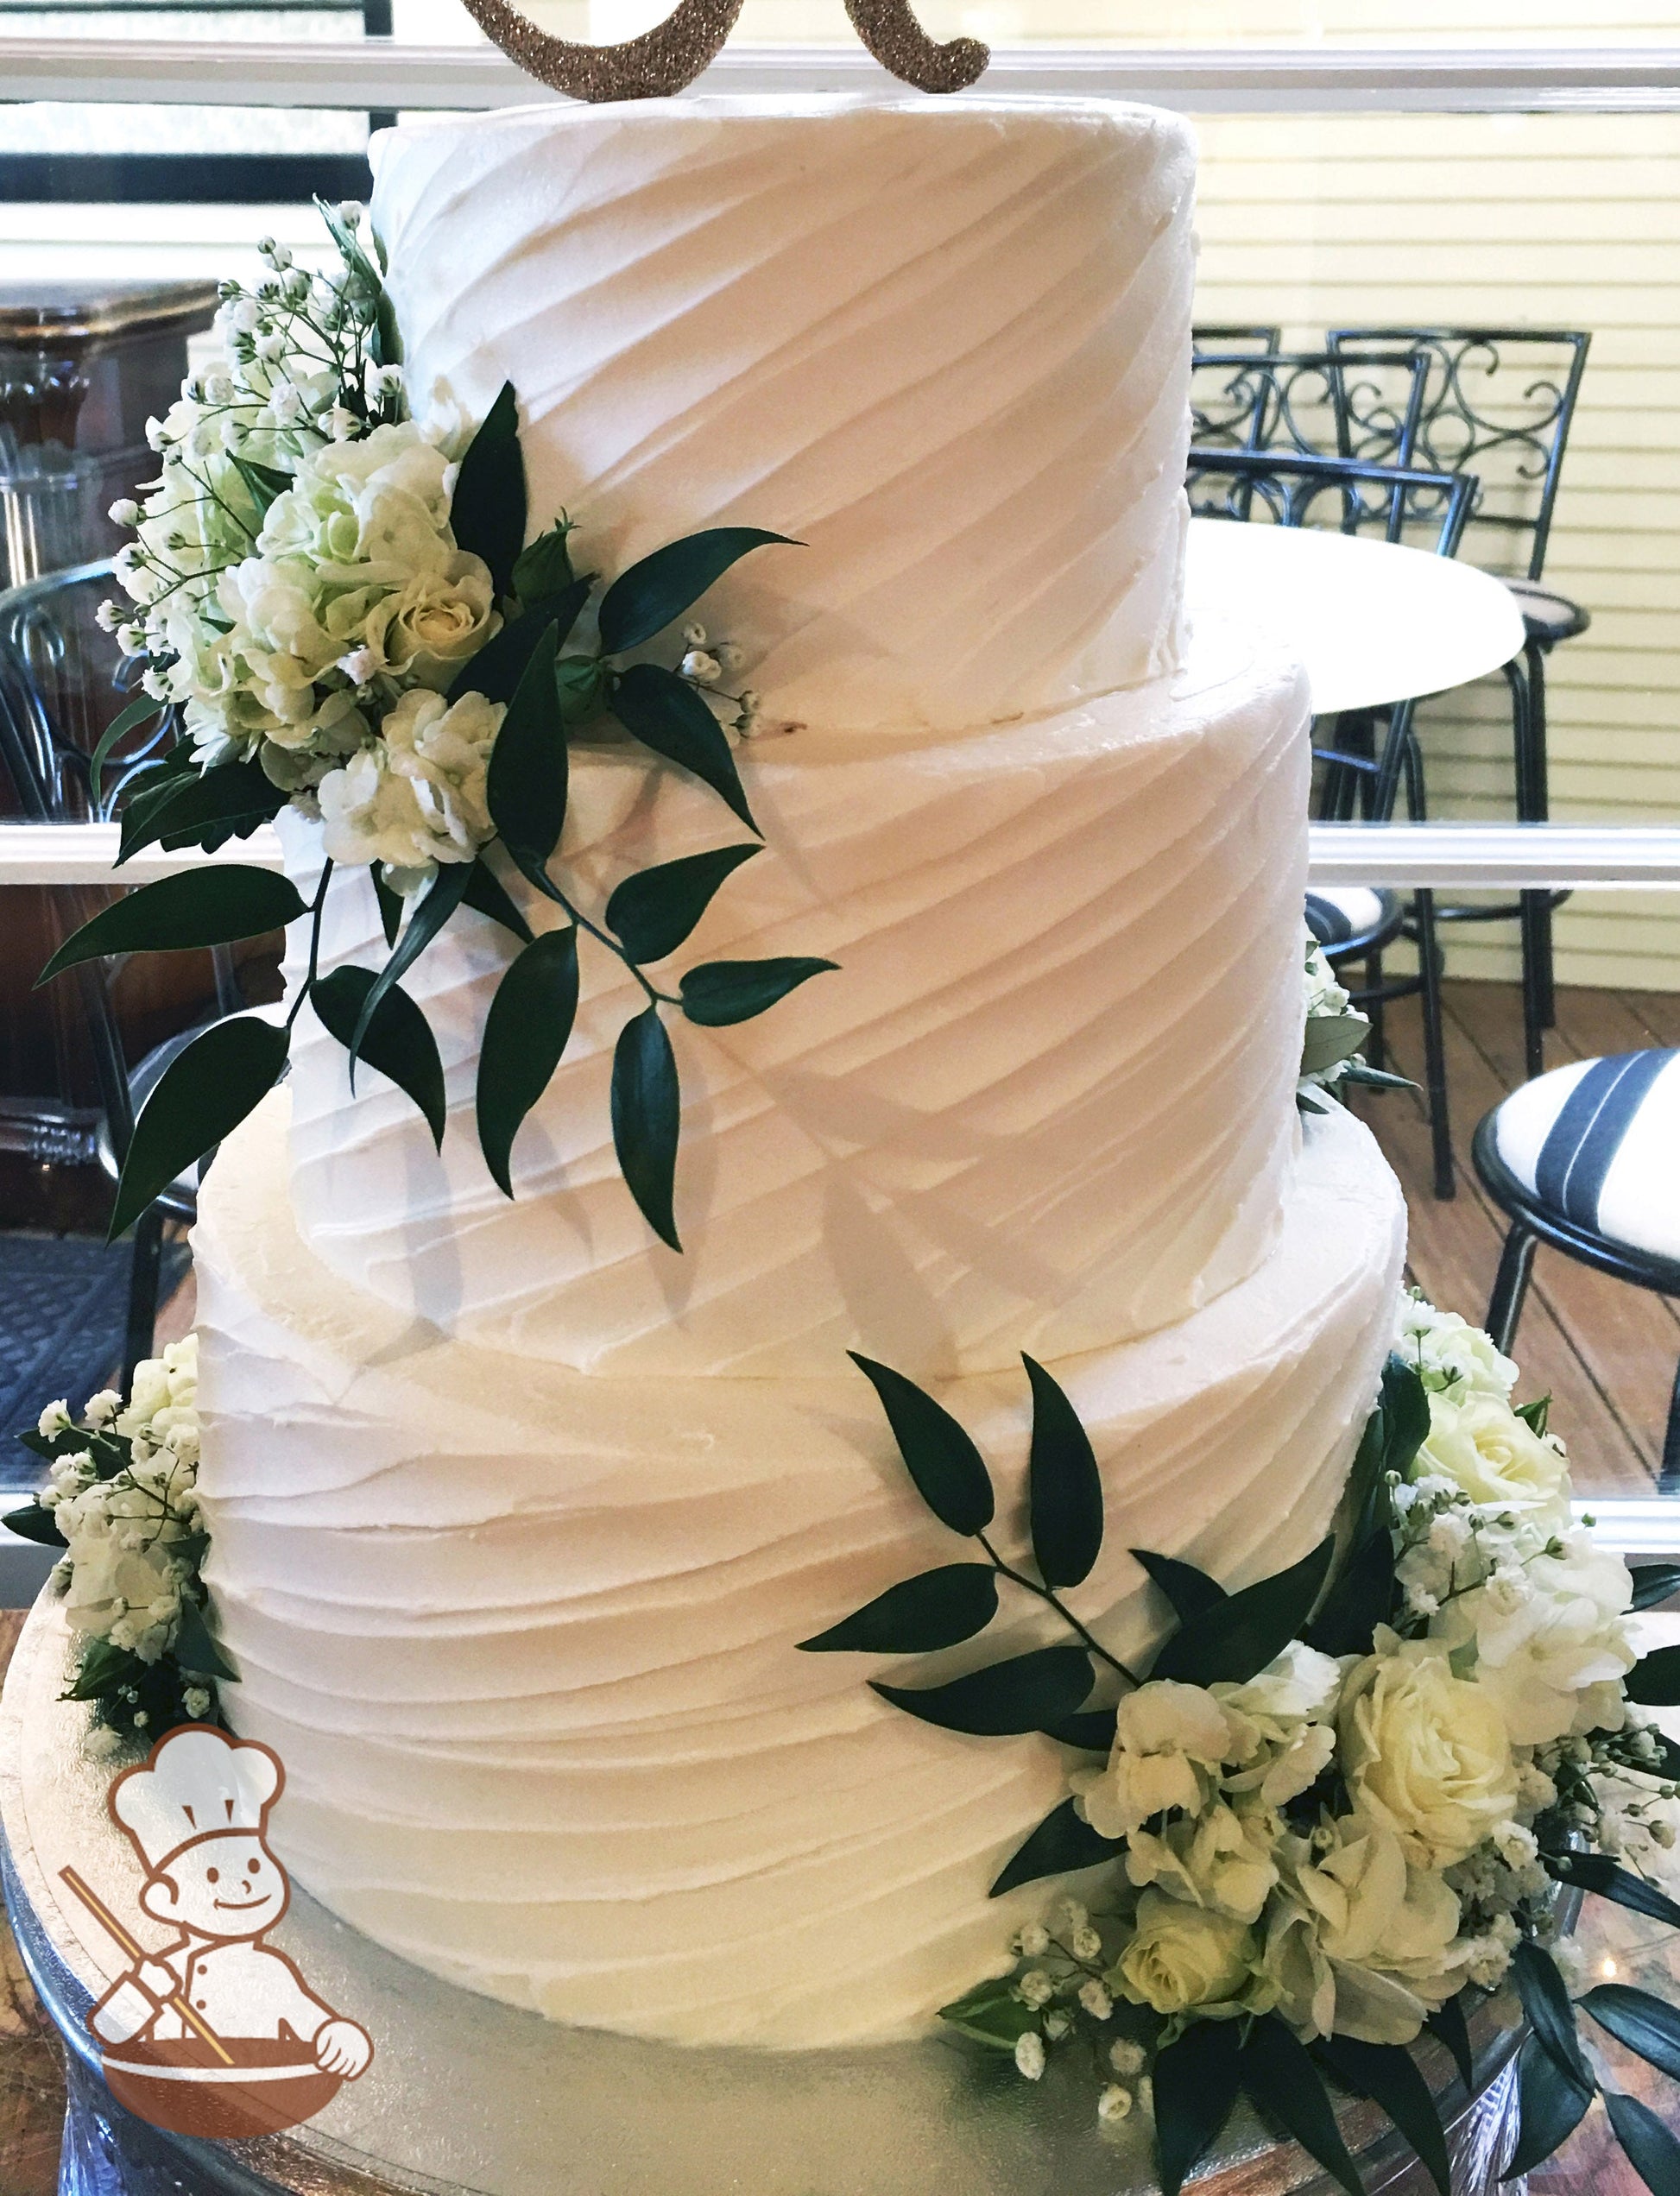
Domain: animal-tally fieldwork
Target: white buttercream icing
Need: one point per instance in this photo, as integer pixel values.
(525, 1640)
(944, 345)
(1047, 1103)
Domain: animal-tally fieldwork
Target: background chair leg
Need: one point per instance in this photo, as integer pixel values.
(1537, 1011)
(144, 1277)
(1504, 1306)
(1668, 1479)
(1434, 1051)
(1376, 1049)
(1540, 793)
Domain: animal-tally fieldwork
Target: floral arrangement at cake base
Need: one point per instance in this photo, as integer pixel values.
(334, 608)
(1338, 1809)
(121, 1501)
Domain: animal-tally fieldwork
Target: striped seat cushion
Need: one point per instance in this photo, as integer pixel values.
(1337, 918)
(1598, 1145)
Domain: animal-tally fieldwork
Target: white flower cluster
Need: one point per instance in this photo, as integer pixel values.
(705, 662)
(300, 592)
(131, 1533)
(1328, 1004)
(1348, 1841)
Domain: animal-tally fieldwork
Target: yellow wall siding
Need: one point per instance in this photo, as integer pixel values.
(1566, 221)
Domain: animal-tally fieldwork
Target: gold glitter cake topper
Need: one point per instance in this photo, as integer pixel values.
(671, 55)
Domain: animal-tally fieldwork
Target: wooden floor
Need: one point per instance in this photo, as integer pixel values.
(1605, 1351)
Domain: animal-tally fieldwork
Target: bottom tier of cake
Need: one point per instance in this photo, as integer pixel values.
(527, 1639)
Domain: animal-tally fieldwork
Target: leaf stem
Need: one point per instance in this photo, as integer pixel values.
(317, 908)
(1045, 1594)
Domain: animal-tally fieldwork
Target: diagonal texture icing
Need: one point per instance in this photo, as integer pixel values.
(946, 345)
(1046, 1104)
(525, 1640)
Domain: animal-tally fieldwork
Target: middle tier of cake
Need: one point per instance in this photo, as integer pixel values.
(1045, 1102)
(527, 1640)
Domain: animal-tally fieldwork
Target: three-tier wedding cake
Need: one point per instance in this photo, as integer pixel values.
(518, 1515)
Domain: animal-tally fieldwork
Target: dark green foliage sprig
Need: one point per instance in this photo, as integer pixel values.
(551, 688)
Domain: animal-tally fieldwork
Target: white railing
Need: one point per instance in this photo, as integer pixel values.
(1463, 857)
(1194, 80)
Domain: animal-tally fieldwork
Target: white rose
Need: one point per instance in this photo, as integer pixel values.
(428, 630)
(1184, 1958)
(1218, 1861)
(1426, 1754)
(1481, 1446)
(1168, 1737)
(1554, 1661)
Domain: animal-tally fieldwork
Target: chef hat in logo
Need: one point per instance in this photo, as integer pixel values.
(195, 1784)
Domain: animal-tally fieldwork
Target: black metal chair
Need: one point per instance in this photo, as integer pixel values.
(1513, 434)
(1582, 1159)
(1322, 403)
(60, 683)
(1358, 923)
(1358, 497)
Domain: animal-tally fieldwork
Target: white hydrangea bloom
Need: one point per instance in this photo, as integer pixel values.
(417, 796)
(1168, 1740)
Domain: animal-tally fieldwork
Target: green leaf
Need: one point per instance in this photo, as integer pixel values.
(205, 1093)
(1279, 2078)
(665, 714)
(196, 1650)
(1237, 1639)
(1645, 2024)
(653, 912)
(1329, 1038)
(991, 2014)
(210, 906)
(526, 787)
(1447, 2025)
(265, 483)
(1092, 1729)
(1196, 2087)
(389, 903)
(1654, 1683)
(153, 787)
(526, 1031)
(1536, 1415)
(102, 1668)
(652, 593)
(1598, 1873)
(1551, 2016)
(387, 346)
(398, 1041)
(1190, 1592)
(1549, 2108)
(1362, 1598)
(228, 802)
(436, 905)
(580, 682)
(1653, 2152)
(646, 1119)
(497, 668)
(1654, 1583)
(1003, 1700)
(1063, 1842)
(720, 993)
(1387, 2073)
(486, 894)
(1374, 1078)
(544, 566)
(487, 514)
(938, 1609)
(1065, 1490)
(137, 711)
(33, 1523)
(949, 1473)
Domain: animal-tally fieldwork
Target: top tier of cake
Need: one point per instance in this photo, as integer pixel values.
(944, 345)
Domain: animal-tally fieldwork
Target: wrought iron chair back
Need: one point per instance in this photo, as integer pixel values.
(1316, 403)
(1235, 336)
(1499, 403)
(1353, 495)
(62, 682)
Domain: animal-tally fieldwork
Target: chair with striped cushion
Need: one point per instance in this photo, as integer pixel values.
(1584, 1159)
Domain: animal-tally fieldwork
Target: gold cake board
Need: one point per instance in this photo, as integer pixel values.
(466, 2095)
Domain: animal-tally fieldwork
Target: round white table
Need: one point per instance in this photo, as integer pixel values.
(1372, 621)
